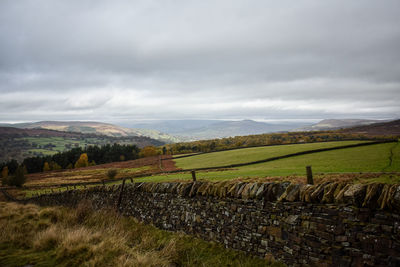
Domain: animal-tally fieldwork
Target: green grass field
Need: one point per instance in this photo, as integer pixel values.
(251, 154)
(374, 158)
(58, 142)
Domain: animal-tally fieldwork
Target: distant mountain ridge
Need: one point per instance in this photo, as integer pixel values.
(221, 129)
(99, 128)
(334, 124)
(377, 129)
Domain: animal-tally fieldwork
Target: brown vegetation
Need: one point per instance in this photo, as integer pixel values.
(57, 236)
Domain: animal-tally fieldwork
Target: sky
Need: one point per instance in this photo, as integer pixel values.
(120, 61)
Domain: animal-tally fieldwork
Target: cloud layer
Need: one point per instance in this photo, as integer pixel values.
(126, 60)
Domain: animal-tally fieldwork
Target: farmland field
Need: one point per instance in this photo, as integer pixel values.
(357, 164)
(367, 159)
(251, 154)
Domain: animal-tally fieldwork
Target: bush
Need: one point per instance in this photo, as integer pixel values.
(111, 173)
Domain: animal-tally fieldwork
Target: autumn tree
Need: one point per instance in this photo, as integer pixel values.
(55, 166)
(83, 161)
(149, 151)
(4, 176)
(4, 172)
(46, 167)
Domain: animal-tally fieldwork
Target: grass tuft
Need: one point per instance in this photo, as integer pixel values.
(59, 236)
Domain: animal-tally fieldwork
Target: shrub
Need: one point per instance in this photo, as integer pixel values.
(111, 173)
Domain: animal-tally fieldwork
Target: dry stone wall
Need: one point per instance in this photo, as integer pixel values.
(332, 224)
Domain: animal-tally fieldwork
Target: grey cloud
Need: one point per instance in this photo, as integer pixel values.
(199, 59)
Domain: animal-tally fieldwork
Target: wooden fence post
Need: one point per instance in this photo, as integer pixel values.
(194, 176)
(120, 195)
(132, 180)
(310, 179)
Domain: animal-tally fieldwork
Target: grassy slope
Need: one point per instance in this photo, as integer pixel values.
(251, 154)
(372, 158)
(57, 236)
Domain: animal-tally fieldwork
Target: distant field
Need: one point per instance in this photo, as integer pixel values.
(52, 145)
(251, 154)
(374, 158)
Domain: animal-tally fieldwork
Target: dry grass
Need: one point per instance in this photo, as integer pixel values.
(82, 237)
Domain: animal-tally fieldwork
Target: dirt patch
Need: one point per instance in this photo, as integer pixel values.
(168, 164)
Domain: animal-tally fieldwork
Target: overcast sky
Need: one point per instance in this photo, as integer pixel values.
(118, 61)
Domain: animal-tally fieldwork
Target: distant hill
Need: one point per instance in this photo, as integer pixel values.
(174, 127)
(18, 132)
(334, 124)
(220, 129)
(16, 143)
(99, 128)
(391, 128)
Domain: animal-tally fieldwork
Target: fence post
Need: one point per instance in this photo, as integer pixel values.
(120, 195)
(132, 180)
(103, 182)
(310, 179)
(194, 176)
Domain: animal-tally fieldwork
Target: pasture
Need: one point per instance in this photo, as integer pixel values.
(365, 160)
(244, 155)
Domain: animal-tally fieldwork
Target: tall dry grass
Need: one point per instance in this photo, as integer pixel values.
(58, 236)
(79, 236)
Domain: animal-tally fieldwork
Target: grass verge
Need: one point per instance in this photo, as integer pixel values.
(58, 236)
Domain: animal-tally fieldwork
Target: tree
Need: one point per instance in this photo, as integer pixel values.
(4, 172)
(148, 151)
(19, 178)
(46, 167)
(4, 176)
(83, 161)
(54, 166)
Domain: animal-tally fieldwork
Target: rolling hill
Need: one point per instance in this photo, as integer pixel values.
(334, 124)
(223, 129)
(98, 128)
(16, 143)
(377, 129)
(191, 130)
